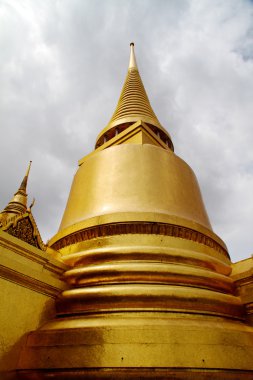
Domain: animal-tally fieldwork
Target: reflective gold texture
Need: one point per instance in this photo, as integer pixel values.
(150, 294)
(140, 305)
(30, 280)
(134, 178)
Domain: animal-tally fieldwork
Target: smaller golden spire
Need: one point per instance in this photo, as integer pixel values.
(18, 204)
(17, 220)
(132, 61)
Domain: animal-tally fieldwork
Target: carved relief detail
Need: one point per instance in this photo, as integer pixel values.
(139, 228)
(24, 231)
(24, 228)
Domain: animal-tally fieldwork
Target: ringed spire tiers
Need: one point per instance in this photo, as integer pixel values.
(133, 105)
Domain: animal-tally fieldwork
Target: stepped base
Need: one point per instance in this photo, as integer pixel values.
(139, 346)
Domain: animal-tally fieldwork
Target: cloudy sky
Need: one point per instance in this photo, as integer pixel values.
(62, 66)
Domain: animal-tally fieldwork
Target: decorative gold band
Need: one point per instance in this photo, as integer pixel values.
(139, 228)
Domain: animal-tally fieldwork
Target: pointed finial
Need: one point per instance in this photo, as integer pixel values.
(28, 169)
(132, 61)
(18, 204)
(24, 182)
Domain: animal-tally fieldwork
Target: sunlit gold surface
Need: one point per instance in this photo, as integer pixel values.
(134, 178)
(150, 293)
(30, 280)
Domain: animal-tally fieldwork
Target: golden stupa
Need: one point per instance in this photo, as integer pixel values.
(150, 294)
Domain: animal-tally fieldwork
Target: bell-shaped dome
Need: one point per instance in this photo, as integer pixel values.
(134, 173)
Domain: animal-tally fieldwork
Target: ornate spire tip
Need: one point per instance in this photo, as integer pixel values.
(132, 62)
(28, 169)
(24, 182)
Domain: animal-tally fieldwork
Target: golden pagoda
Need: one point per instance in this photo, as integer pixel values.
(150, 289)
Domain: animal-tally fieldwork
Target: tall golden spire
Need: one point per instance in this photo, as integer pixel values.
(133, 105)
(18, 204)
